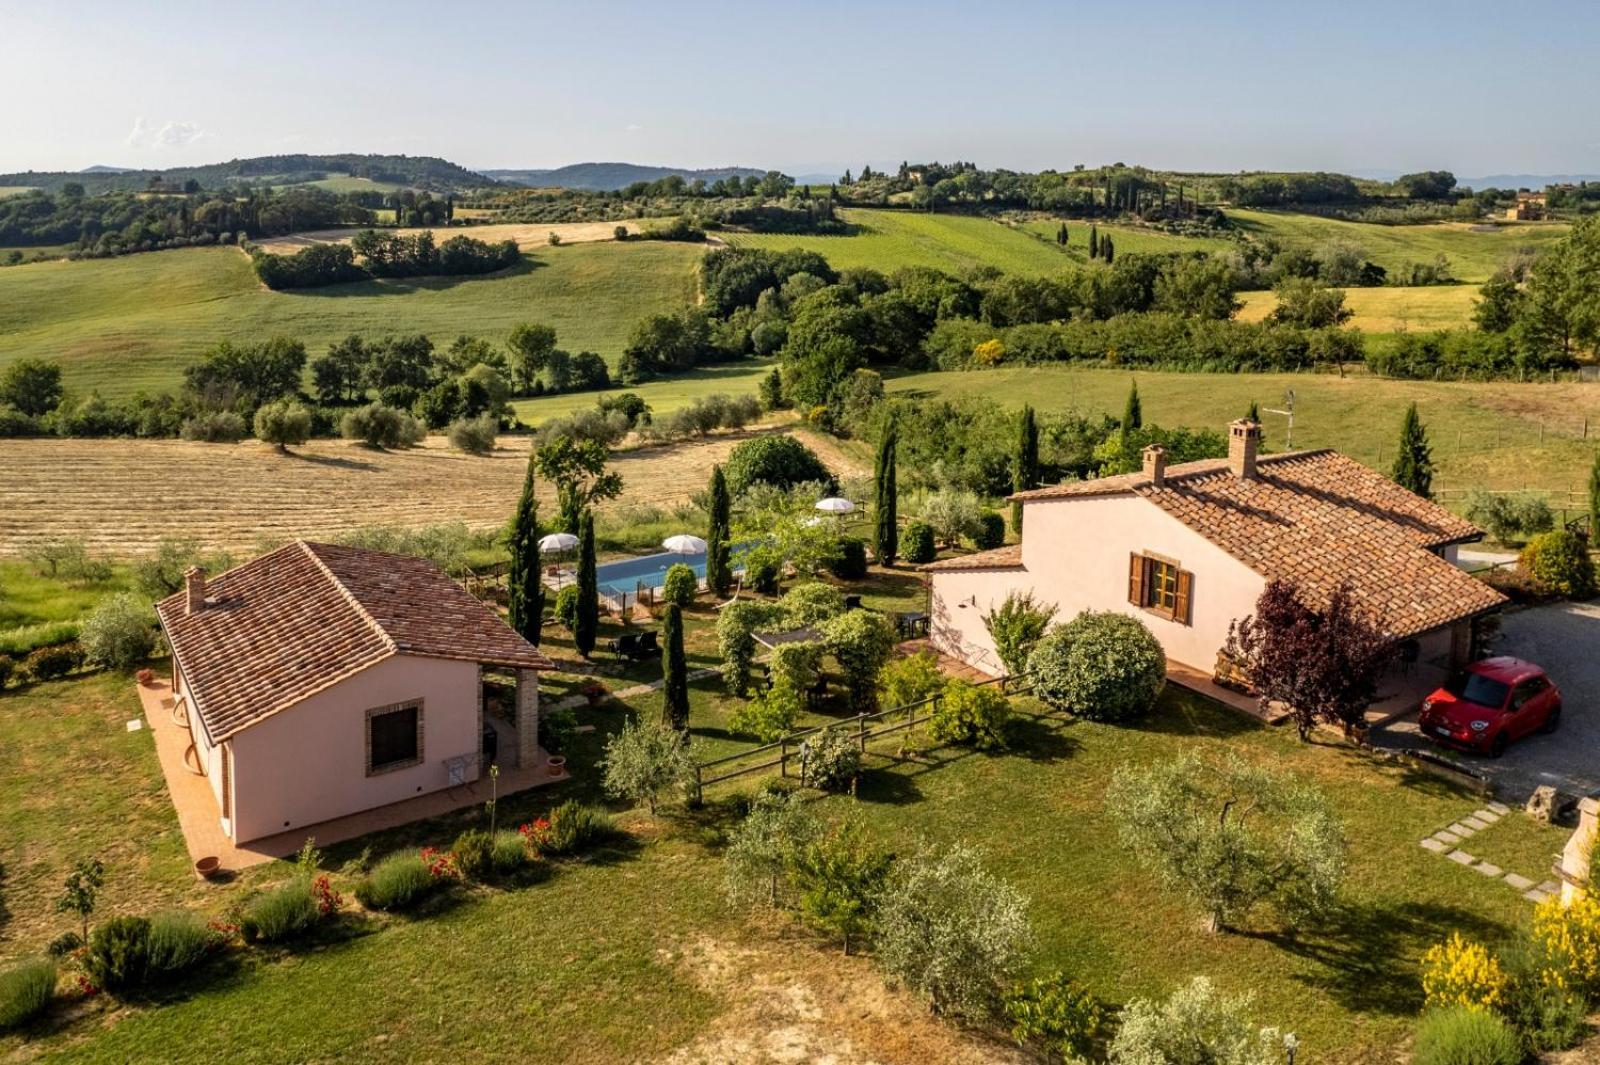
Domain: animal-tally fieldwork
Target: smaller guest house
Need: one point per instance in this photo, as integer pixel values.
(318, 681)
(1189, 549)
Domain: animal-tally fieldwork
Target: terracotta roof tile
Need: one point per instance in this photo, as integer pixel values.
(1319, 519)
(1007, 557)
(299, 619)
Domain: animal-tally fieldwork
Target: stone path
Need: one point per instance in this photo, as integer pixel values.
(573, 701)
(1443, 842)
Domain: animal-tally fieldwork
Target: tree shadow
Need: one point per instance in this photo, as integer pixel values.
(1040, 739)
(333, 461)
(1361, 953)
(402, 286)
(886, 786)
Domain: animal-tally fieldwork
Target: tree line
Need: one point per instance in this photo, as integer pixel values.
(383, 255)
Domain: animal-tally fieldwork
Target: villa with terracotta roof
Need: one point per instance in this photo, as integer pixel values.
(1188, 549)
(319, 681)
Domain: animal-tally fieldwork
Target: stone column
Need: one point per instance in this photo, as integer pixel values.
(1576, 858)
(1461, 644)
(527, 718)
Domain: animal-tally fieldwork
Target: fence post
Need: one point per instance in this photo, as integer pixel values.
(861, 730)
(783, 756)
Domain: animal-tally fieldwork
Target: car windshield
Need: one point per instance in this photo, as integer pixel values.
(1477, 688)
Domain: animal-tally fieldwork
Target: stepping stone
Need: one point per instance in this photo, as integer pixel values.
(1487, 870)
(1535, 895)
(1461, 856)
(1521, 883)
(1462, 830)
(1549, 887)
(1439, 847)
(1500, 808)
(1444, 835)
(1475, 824)
(1487, 814)
(135, 724)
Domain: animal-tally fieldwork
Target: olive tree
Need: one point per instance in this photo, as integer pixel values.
(1231, 836)
(762, 846)
(643, 760)
(282, 422)
(1197, 1025)
(120, 632)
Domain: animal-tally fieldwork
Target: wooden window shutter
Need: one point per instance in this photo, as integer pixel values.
(1180, 603)
(1136, 577)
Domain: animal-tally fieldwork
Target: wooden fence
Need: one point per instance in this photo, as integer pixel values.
(868, 727)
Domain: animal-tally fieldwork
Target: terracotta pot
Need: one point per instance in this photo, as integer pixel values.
(146, 677)
(208, 867)
(557, 764)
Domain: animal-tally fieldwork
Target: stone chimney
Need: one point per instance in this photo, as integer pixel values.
(1244, 438)
(194, 590)
(1155, 464)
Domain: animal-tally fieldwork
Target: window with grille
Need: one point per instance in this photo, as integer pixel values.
(1160, 586)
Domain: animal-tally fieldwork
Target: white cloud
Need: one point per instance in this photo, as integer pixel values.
(168, 135)
(633, 127)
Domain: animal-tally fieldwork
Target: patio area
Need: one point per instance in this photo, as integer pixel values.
(201, 820)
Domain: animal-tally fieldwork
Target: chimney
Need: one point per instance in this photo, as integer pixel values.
(1155, 464)
(194, 590)
(1244, 437)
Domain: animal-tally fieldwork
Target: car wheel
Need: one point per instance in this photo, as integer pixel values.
(1497, 746)
(1552, 722)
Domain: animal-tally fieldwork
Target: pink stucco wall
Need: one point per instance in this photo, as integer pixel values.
(308, 763)
(1075, 555)
(210, 754)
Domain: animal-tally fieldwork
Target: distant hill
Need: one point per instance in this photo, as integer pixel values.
(609, 177)
(413, 171)
(1525, 181)
(102, 169)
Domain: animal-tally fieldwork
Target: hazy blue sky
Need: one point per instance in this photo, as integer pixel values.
(1474, 87)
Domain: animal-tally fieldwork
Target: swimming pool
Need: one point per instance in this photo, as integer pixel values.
(621, 580)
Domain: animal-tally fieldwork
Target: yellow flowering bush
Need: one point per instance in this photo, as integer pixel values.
(1458, 972)
(1568, 938)
(988, 353)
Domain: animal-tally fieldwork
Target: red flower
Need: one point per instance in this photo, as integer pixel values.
(328, 900)
(85, 988)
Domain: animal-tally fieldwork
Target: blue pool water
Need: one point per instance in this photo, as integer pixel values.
(617, 580)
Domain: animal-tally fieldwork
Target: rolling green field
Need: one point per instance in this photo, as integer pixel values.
(14, 190)
(664, 395)
(121, 325)
(1125, 238)
(1499, 435)
(342, 183)
(1473, 256)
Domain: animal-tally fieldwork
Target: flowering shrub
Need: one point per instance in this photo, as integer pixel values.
(1568, 938)
(536, 834)
(442, 865)
(328, 900)
(1461, 973)
(830, 760)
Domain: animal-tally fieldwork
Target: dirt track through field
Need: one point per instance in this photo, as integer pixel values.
(527, 234)
(123, 496)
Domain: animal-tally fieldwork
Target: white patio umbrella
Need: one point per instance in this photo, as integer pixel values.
(558, 542)
(836, 505)
(684, 544)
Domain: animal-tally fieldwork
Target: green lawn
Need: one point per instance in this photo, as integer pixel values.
(664, 395)
(1484, 434)
(1473, 255)
(28, 597)
(121, 325)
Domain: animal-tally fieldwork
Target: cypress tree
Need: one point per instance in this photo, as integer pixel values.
(1132, 411)
(674, 671)
(1108, 250)
(583, 633)
(886, 532)
(525, 588)
(719, 574)
(1024, 463)
(1094, 242)
(1594, 500)
(1413, 466)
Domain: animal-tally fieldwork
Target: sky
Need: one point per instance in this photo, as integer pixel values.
(1358, 87)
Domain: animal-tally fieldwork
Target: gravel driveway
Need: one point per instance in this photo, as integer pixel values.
(1565, 640)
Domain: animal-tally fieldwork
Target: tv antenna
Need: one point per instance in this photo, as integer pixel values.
(1287, 412)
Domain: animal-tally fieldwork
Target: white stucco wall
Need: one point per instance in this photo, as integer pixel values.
(1075, 555)
(308, 763)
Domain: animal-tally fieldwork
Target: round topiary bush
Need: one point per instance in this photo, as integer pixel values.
(1462, 1036)
(680, 586)
(851, 565)
(1560, 562)
(830, 760)
(991, 531)
(1101, 666)
(781, 461)
(916, 543)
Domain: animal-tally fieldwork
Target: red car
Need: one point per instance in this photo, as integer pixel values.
(1490, 704)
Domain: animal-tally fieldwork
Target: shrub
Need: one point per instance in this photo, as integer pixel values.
(971, 716)
(119, 953)
(768, 715)
(1059, 1013)
(1548, 1018)
(49, 663)
(643, 760)
(119, 633)
(851, 564)
(862, 642)
(1015, 626)
(1462, 1036)
(1197, 1024)
(1102, 666)
(1560, 562)
(950, 930)
(681, 585)
(508, 852)
(7, 667)
(64, 944)
(578, 826)
(25, 991)
(557, 726)
(797, 665)
(916, 543)
(762, 847)
(780, 461)
(830, 760)
(990, 531)
(809, 604)
(736, 624)
(1510, 518)
(472, 851)
(763, 565)
(910, 680)
(217, 427)
(379, 425)
(280, 913)
(475, 436)
(838, 876)
(179, 939)
(283, 422)
(1567, 937)
(566, 608)
(398, 882)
